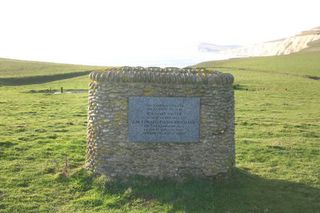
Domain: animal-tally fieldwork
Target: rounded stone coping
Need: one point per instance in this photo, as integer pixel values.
(162, 75)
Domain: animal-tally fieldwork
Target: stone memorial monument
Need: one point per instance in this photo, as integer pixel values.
(160, 122)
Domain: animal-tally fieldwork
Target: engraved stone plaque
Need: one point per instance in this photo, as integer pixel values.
(164, 119)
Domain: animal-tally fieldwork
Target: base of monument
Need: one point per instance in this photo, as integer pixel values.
(182, 176)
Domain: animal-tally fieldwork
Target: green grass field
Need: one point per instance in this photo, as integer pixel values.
(43, 144)
(19, 69)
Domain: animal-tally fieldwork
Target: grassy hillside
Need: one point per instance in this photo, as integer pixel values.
(19, 68)
(300, 64)
(18, 72)
(43, 145)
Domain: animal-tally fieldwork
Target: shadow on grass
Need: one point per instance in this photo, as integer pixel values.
(18, 81)
(242, 192)
(6, 144)
(240, 87)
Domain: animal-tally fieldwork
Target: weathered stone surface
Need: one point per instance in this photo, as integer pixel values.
(110, 150)
(164, 119)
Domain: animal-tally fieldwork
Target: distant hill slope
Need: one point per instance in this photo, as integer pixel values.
(313, 46)
(10, 68)
(301, 64)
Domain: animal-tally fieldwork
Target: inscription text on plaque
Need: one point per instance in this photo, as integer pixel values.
(164, 119)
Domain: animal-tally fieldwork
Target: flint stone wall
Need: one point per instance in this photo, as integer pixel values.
(109, 150)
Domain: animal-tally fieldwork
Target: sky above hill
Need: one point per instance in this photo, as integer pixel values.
(143, 32)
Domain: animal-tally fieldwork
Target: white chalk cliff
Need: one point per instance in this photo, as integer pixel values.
(285, 46)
